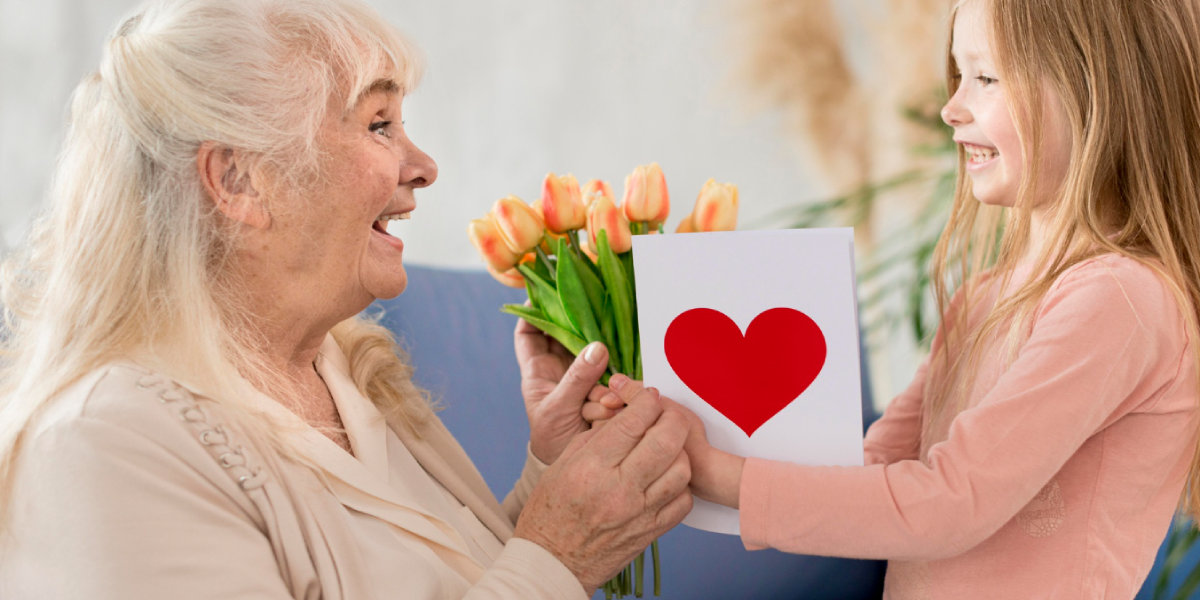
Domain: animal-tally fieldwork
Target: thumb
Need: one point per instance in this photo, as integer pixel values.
(581, 377)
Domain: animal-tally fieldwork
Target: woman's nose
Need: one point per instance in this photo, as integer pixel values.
(417, 169)
(954, 113)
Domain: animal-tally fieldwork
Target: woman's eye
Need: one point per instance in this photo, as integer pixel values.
(381, 127)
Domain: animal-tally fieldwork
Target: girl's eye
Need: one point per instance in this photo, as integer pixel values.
(985, 80)
(382, 128)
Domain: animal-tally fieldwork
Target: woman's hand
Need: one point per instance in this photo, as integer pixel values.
(716, 474)
(555, 386)
(613, 490)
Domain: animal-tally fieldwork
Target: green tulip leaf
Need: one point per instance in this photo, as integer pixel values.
(574, 298)
(547, 299)
(619, 291)
(573, 343)
(608, 330)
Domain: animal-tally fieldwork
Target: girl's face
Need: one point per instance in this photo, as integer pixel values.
(983, 124)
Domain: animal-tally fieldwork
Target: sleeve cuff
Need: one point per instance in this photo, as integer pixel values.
(533, 466)
(754, 503)
(540, 573)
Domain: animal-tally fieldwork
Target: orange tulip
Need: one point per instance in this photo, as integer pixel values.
(487, 240)
(562, 204)
(686, 225)
(646, 197)
(595, 188)
(605, 216)
(512, 277)
(519, 225)
(716, 207)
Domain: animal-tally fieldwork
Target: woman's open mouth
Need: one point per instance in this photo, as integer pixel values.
(380, 227)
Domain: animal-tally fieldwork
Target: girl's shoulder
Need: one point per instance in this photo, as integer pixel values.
(1120, 287)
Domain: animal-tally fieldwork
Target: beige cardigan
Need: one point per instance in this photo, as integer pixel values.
(134, 486)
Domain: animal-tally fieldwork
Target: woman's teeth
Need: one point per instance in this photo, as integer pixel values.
(396, 217)
(980, 154)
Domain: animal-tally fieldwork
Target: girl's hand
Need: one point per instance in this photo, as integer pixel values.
(716, 474)
(555, 386)
(604, 404)
(613, 491)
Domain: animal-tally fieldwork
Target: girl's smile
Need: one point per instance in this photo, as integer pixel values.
(981, 113)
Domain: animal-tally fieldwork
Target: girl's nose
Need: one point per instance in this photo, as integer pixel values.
(954, 113)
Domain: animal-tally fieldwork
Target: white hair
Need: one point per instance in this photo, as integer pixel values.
(130, 261)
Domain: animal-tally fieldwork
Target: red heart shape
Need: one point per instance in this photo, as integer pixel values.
(748, 379)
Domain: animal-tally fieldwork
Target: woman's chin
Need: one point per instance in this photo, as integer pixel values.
(387, 284)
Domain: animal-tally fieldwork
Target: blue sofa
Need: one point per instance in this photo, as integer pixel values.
(461, 346)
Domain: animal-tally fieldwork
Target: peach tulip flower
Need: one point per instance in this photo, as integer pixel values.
(487, 240)
(716, 207)
(562, 204)
(646, 197)
(686, 225)
(605, 216)
(512, 277)
(519, 225)
(595, 188)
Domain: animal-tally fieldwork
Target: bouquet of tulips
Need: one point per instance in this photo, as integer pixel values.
(571, 251)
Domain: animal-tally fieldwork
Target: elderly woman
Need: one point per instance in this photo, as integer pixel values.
(191, 407)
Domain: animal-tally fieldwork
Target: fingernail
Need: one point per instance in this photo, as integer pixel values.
(653, 391)
(616, 382)
(592, 353)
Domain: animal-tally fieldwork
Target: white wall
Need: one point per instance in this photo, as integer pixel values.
(513, 89)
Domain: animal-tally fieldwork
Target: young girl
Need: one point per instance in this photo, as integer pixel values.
(1041, 450)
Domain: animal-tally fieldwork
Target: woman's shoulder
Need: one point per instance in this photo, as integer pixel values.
(122, 394)
(122, 406)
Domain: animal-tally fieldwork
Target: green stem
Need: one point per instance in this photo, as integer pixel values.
(541, 254)
(639, 569)
(573, 235)
(657, 572)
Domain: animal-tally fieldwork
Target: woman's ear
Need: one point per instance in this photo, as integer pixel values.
(230, 186)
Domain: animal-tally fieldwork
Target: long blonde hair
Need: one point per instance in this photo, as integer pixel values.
(130, 261)
(1127, 73)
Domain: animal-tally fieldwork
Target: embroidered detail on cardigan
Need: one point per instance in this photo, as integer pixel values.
(213, 437)
(1045, 514)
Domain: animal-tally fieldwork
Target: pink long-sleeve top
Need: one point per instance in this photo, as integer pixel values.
(1059, 479)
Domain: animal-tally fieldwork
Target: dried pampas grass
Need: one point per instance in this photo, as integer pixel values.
(794, 61)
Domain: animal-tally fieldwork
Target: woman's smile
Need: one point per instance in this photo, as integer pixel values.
(379, 228)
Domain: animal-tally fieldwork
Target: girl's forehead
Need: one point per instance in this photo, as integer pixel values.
(972, 33)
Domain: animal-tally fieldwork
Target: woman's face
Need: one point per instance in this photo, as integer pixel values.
(981, 116)
(339, 226)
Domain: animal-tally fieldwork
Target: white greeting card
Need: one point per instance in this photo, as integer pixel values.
(757, 333)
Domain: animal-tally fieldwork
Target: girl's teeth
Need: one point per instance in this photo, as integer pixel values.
(981, 155)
